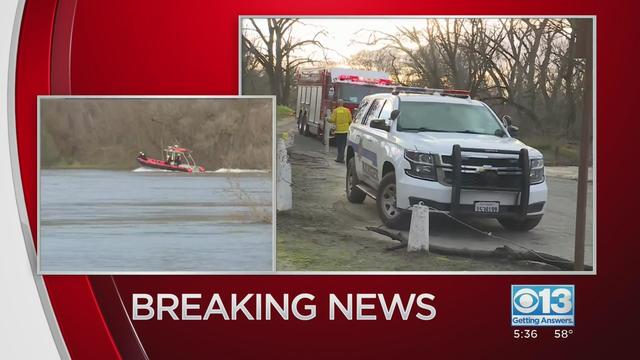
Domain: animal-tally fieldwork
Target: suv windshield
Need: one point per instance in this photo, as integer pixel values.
(443, 117)
(353, 93)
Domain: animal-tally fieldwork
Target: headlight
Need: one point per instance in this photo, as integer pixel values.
(422, 166)
(536, 174)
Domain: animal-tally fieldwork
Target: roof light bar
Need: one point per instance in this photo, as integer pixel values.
(428, 91)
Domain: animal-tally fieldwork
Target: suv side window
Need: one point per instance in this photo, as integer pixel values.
(362, 109)
(374, 110)
(385, 113)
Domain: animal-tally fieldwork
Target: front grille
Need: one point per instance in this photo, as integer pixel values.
(502, 174)
(486, 179)
(474, 161)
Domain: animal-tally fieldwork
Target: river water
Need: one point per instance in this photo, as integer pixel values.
(129, 221)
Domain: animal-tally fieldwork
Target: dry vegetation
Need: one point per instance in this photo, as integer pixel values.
(108, 133)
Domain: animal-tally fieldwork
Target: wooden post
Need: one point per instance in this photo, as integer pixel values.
(419, 230)
(584, 49)
(325, 134)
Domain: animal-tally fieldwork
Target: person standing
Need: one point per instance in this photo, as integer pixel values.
(341, 117)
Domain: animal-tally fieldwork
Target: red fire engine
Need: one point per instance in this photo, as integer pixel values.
(320, 89)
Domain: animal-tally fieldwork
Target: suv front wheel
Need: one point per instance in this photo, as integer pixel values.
(354, 194)
(386, 204)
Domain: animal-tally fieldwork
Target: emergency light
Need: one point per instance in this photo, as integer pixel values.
(428, 91)
(356, 78)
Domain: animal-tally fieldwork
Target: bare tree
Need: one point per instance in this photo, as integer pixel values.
(523, 67)
(274, 49)
(526, 65)
(385, 60)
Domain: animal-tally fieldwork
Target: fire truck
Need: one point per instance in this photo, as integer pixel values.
(320, 88)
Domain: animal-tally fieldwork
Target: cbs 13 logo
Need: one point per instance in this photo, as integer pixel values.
(542, 305)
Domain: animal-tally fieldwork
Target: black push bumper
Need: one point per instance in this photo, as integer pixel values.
(521, 186)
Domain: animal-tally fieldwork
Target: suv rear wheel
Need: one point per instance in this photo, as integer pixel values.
(386, 204)
(522, 224)
(354, 194)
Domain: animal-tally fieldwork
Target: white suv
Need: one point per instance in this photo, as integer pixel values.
(446, 151)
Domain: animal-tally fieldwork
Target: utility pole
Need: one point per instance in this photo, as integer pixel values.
(584, 49)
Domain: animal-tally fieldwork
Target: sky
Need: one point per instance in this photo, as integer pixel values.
(346, 36)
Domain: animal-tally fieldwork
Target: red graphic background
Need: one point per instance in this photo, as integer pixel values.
(147, 47)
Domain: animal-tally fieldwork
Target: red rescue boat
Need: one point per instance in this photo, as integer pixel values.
(175, 159)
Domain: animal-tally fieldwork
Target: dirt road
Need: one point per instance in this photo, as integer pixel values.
(325, 232)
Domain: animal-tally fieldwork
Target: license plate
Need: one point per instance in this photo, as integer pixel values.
(487, 207)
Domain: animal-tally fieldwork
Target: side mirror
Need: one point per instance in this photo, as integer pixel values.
(394, 114)
(506, 120)
(379, 124)
(513, 130)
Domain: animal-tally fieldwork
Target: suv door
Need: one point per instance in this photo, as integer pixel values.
(366, 149)
(355, 133)
(375, 139)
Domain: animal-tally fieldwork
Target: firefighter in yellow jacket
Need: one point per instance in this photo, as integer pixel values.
(341, 117)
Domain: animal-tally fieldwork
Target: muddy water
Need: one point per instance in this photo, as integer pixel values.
(95, 220)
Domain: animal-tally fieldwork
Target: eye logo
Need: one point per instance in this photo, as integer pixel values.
(525, 300)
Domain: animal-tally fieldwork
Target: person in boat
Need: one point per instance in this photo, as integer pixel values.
(142, 156)
(178, 160)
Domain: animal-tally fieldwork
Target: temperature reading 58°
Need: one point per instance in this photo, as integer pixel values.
(562, 334)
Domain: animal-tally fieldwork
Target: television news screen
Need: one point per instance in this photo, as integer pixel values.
(187, 180)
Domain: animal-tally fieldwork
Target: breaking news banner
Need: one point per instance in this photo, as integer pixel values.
(367, 179)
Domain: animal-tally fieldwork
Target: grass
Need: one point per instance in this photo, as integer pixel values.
(329, 252)
(556, 152)
(306, 243)
(283, 112)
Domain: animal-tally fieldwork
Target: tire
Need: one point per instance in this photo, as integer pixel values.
(354, 195)
(390, 215)
(300, 127)
(520, 224)
(306, 130)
